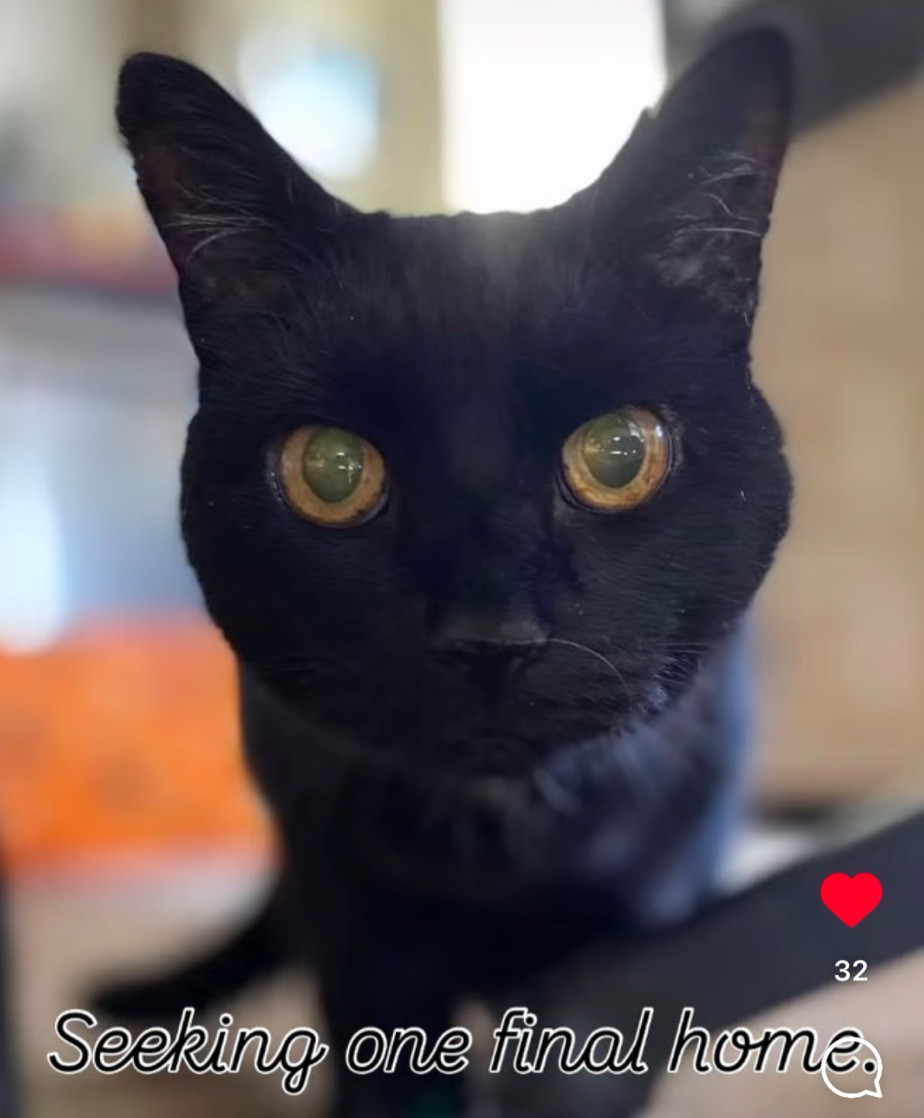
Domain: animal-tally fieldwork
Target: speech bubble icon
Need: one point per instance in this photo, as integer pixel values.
(870, 1063)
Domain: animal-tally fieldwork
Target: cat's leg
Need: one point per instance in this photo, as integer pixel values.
(254, 950)
(387, 985)
(552, 1093)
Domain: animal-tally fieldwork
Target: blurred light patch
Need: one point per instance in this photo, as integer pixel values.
(539, 95)
(32, 590)
(706, 11)
(321, 103)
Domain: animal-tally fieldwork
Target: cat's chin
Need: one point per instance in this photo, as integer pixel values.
(446, 727)
(480, 753)
(455, 738)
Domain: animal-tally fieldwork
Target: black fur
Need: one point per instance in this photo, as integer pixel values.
(454, 817)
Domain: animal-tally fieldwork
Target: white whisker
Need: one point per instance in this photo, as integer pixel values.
(597, 655)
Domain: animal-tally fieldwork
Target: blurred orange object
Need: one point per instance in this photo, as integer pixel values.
(122, 742)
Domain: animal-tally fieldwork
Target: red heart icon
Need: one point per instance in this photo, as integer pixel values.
(851, 899)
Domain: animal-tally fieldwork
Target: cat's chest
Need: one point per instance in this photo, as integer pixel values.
(502, 847)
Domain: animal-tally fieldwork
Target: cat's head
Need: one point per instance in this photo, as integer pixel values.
(468, 489)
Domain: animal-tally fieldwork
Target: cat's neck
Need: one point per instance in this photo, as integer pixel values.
(592, 807)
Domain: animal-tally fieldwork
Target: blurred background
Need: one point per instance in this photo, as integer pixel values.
(125, 815)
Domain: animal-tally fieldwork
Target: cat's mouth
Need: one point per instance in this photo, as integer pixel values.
(482, 720)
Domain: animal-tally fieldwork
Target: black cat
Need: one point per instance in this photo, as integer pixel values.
(479, 503)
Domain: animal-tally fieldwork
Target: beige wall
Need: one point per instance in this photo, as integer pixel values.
(840, 352)
(57, 73)
(402, 35)
(65, 95)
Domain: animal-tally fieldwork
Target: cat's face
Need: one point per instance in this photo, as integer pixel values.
(384, 498)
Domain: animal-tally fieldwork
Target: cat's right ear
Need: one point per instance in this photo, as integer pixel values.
(223, 194)
(688, 199)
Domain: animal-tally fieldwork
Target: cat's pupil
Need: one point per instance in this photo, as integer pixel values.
(333, 464)
(614, 449)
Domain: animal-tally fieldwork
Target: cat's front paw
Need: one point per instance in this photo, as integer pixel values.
(158, 1000)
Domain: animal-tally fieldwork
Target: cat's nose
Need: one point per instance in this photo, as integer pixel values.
(471, 637)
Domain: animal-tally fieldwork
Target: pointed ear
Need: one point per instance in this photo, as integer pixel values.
(693, 188)
(224, 196)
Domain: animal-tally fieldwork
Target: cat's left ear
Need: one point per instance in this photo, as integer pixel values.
(231, 206)
(689, 197)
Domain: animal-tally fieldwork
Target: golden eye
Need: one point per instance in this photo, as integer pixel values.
(617, 461)
(331, 476)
